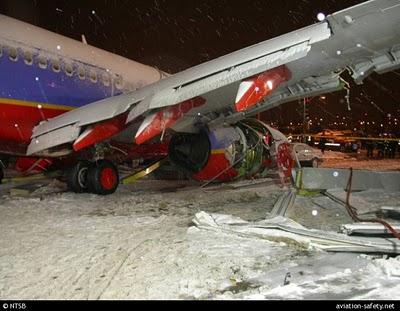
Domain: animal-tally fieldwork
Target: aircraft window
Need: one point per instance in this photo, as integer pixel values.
(28, 57)
(106, 79)
(81, 73)
(13, 54)
(118, 82)
(93, 76)
(56, 65)
(42, 62)
(69, 70)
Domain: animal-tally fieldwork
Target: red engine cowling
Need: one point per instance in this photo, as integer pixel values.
(246, 150)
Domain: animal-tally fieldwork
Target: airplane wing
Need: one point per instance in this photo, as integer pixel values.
(307, 62)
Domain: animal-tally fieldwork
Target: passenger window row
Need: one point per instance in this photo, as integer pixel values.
(82, 71)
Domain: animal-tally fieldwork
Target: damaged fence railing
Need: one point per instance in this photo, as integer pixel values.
(281, 229)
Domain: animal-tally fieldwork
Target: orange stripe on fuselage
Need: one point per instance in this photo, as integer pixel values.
(9, 101)
(218, 151)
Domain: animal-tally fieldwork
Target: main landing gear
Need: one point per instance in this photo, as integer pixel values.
(100, 177)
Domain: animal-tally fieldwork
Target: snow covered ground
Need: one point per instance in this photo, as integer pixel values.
(130, 245)
(359, 161)
(141, 243)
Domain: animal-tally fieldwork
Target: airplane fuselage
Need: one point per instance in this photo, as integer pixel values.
(43, 75)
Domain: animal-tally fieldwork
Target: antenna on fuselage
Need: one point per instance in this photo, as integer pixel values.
(84, 39)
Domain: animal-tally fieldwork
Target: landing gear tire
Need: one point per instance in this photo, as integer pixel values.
(77, 177)
(314, 163)
(102, 178)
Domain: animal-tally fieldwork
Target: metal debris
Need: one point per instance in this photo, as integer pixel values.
(281, 229)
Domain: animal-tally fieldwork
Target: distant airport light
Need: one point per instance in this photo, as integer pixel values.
(332, 144)
(321, 17)
(16, 125)
(39, 106)
(58, 47)
(314, 212)
(93, 12)
(37, 78)
(270, 84)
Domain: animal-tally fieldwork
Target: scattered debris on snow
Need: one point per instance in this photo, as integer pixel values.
(142, 243)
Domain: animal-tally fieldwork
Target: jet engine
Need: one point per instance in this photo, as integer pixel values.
(245, 150)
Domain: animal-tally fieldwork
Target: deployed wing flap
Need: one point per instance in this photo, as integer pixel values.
(380, 64)
(93, 113)
(54, 138)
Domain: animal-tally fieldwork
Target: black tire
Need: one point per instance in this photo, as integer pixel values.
(103, 178)
(77, 177)
(314, 163)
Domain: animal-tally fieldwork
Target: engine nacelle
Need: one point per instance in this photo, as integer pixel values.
(245, 150)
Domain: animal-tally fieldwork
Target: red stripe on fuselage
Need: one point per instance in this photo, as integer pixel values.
(18, 120)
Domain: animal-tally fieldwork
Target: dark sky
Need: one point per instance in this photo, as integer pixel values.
(174, 35)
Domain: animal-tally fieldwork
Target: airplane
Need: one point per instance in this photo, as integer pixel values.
(201, 118)
(44, 74)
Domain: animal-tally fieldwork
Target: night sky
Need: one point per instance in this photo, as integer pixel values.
(174, 35)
